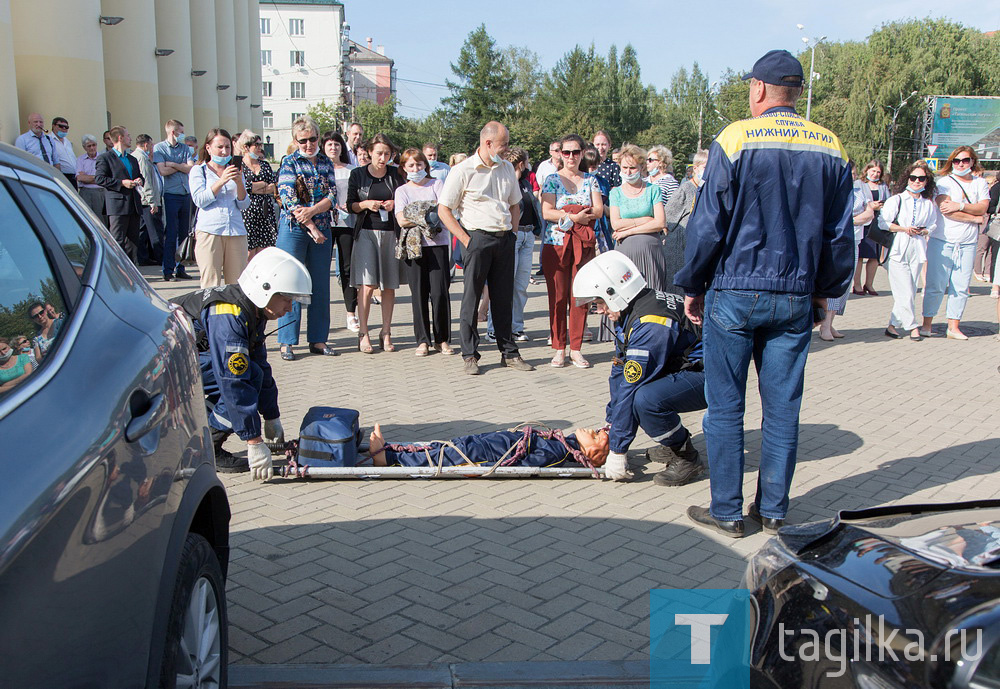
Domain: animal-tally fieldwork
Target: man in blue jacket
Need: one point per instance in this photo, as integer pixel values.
(770, 238)
(657, 371)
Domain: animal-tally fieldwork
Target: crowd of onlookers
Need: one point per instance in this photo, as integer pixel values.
(365, 209)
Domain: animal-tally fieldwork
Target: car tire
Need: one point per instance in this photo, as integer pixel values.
(196, 651)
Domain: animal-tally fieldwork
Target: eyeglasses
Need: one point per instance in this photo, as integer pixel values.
(652, 160)
(918, 178)
(310, 140)
(64, 127)
(38, 314)
(963, 161)
(573, 152)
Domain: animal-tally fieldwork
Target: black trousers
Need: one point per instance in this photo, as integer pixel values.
(71, 178)
(151, 236)
(429, 277)
(489, 257)
(344, 237)
(125, 230)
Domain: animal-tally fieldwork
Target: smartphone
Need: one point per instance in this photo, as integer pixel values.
(237, 161)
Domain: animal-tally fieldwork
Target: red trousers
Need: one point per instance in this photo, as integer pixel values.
(560, 264)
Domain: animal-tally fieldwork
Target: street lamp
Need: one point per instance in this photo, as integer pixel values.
(811, 44)
(892, 127)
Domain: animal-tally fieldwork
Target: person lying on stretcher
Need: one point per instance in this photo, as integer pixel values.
(525, 446)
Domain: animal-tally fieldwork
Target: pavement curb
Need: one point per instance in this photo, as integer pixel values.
(526, 675)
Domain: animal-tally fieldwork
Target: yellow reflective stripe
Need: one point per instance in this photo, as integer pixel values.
(225, 310)
(662, 320)
(780, 129)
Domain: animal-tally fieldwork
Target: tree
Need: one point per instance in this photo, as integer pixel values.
(327, 116)
(484, 89)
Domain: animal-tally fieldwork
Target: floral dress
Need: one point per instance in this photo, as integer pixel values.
(583, 197)
(262, 229)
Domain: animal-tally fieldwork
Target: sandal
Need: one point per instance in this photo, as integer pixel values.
(444, 348)
(422, 349)
(578, 360)
(287, 354)
(365, 348)
(384, 343)
(558, 361)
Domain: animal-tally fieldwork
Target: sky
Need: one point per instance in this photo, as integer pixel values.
(424, 37)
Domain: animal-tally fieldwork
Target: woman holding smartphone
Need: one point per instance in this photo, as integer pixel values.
(217, 188)
(911, 214)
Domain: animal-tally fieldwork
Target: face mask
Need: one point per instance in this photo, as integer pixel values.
(251, 155)
(874, 176)
(909, 188)
(962, 173)
(26, 349)
(6, 357)
(654, 171)
(633, 177)
(179, 137)
(191, 148)
(496, 159)
(221, 160)
(416, 176)
(61, 134)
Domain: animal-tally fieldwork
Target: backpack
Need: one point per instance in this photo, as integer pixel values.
(329, 437)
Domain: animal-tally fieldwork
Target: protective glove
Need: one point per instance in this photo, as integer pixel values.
(616, 468)
(273, 432)
(259, 459)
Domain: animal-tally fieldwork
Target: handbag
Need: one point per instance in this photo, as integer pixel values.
(185, 249)
(993, 229)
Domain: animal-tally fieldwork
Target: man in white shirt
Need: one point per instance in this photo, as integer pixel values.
(355, 134)
(36, 142)
(65, 158)
(483, 190)
(438, 169)
(550, 166)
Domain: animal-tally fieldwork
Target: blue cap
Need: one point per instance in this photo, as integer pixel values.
(778, 67)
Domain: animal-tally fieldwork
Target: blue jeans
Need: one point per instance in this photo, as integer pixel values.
(317, 258)
(657, 405)
(176, 219)
(773, 329)
(523, 249)
(949, 267)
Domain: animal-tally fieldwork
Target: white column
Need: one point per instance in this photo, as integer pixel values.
(225, 44)
(243, 81)
(173, 32)
(130, 73)
(59, 63)
(256, 97)
(204, 59)
(10, 125)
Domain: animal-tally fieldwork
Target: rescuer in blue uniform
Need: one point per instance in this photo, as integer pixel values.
(770, 237)
(657, 371)
(229, 325)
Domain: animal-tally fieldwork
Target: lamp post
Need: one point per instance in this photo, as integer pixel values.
(892, 127)
(811, 44)
(701, 109)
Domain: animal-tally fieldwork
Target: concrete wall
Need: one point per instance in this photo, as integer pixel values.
(204, 57)
(130, 72)
(10, 125)
(173, 32)
(225, 47)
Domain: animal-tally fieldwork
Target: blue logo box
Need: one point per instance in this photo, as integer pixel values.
(700, 638)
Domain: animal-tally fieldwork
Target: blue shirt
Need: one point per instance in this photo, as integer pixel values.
(439, 170)
(34, 145)
(163, 152)
(125, 161)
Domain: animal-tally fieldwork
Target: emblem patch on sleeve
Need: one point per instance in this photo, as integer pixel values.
(238, 364)
(633, 371)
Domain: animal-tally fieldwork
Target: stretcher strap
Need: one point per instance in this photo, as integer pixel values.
(293, 468)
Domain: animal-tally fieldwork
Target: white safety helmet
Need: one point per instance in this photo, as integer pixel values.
(612, 277)
(274, 271)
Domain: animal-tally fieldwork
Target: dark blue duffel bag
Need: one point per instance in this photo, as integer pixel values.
(329, 437)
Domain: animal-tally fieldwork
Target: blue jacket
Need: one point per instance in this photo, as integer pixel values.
(653, 339)
(775, 211)
(239, 364)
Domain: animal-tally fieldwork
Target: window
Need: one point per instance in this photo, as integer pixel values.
(265, 58)
(74, 241)
(32, 310)
(265, 26)
(266, 88)
(268, 119)
(297, 58)
(297, 115)
(298, 89)
(296, 27)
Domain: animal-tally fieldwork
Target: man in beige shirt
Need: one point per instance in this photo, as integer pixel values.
(483, 190)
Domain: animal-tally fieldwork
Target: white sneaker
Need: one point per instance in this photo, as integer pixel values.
(521, 337)
(353, 324)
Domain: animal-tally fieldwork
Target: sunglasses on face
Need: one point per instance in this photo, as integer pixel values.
(918, 178)
(38, 314)
(310, 140)
(64, 127)
(963, 161)
(652, 160)
(574, 152)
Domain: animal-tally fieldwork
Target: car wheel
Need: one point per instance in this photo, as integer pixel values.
(196, 651)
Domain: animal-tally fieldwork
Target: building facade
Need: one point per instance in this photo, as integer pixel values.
(302, 63)
(137, 63)
(371, 76)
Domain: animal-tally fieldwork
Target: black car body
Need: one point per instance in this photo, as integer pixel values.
(898, 597)
(112, 517)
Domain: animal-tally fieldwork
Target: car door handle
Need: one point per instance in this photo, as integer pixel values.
(139, 426)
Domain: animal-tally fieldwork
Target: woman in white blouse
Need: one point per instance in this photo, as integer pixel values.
(217, 188)
(914, 215)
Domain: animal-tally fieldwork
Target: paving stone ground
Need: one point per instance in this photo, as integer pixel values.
(438, 571)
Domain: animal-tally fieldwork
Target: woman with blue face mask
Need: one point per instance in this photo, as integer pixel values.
(217, 188)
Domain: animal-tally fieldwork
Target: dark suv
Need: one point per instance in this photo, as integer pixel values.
(114, 527)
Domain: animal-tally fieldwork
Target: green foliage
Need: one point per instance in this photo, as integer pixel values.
(14, 319)
(327, 116)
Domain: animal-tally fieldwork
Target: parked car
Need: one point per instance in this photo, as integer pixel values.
(884, 598)
(114, 527)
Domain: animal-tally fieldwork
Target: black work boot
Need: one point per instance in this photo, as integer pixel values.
(226, 462)
(682, 463)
